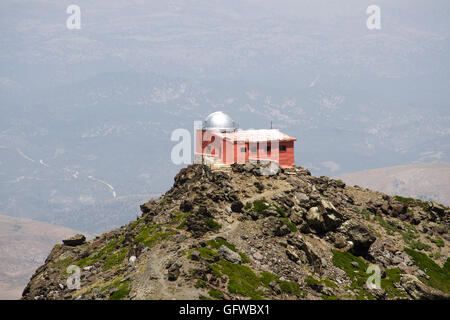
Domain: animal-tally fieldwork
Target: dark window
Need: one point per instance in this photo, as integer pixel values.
(268, 148)
(243, 149)
(282, 148)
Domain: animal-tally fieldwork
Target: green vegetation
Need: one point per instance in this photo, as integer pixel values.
(260, 205)
(216, 294)
(151, 234)
(339, 183)
(366, 214)
(62, 263)
(332, 297)
(212, 224)
(415, 202)
(106, 253)
(123, 290)
(218, 242)
(417, 245)
(180, 217)
(439, 277)
(390, 227)
(359, 276)
(115, 259)
(314, 282)
(280, 211)
(408, 236)
(290, 225)
(438, 241)
(207, 253)
(201, 284)
(243, 281)
(393, 275)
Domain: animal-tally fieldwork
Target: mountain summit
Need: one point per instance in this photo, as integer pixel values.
(234, 233)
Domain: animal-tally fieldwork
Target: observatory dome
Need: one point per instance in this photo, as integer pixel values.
(219, 121)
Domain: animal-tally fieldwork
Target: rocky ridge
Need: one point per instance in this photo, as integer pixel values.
(233, 233)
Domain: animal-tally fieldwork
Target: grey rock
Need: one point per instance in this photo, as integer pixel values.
(229, 255)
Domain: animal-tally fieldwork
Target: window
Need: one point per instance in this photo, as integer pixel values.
(253, 149)
(208, 148)
(243, 150)
(268, 148)
(282, 148)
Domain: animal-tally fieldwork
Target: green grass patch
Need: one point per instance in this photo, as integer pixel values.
(242, 280)
(212, 224)
(124, 290)
(439, 277)
(310, 280)
(151, 234)
(62, 263)
(438, 241)
(280, 211)
(216, 294)
(290, 225)
(358, 275)
(207, 253)
(390, 227)
(115, 259)
(260, 205)
(201, 284)
(366, 214)
(218, 242)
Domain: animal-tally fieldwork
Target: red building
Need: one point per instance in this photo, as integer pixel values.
(220, 142)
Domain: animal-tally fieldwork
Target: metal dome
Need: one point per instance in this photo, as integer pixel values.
(219, 121)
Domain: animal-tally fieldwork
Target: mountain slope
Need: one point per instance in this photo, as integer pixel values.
(426, 181)
(24, 244)
(233, 233)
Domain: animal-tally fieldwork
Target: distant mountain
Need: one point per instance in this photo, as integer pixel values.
(24, 244)
(425, 181)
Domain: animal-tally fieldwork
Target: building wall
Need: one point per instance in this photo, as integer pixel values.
(228, 152)
(287, 157)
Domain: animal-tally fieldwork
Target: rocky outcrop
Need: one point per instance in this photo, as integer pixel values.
(241, 233)
(76, 240)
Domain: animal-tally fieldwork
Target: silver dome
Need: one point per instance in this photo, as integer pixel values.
(219, 121)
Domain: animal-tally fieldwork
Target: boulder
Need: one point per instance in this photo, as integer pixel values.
(74, 241)
(186, 206)
(229, 255)
(174, 272)
(324, 217)
(360, 235)
(419, 291)
(237, 206)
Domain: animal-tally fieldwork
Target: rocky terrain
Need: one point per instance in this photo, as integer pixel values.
(233, 233)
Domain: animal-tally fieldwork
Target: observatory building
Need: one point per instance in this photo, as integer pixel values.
(220, 142)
